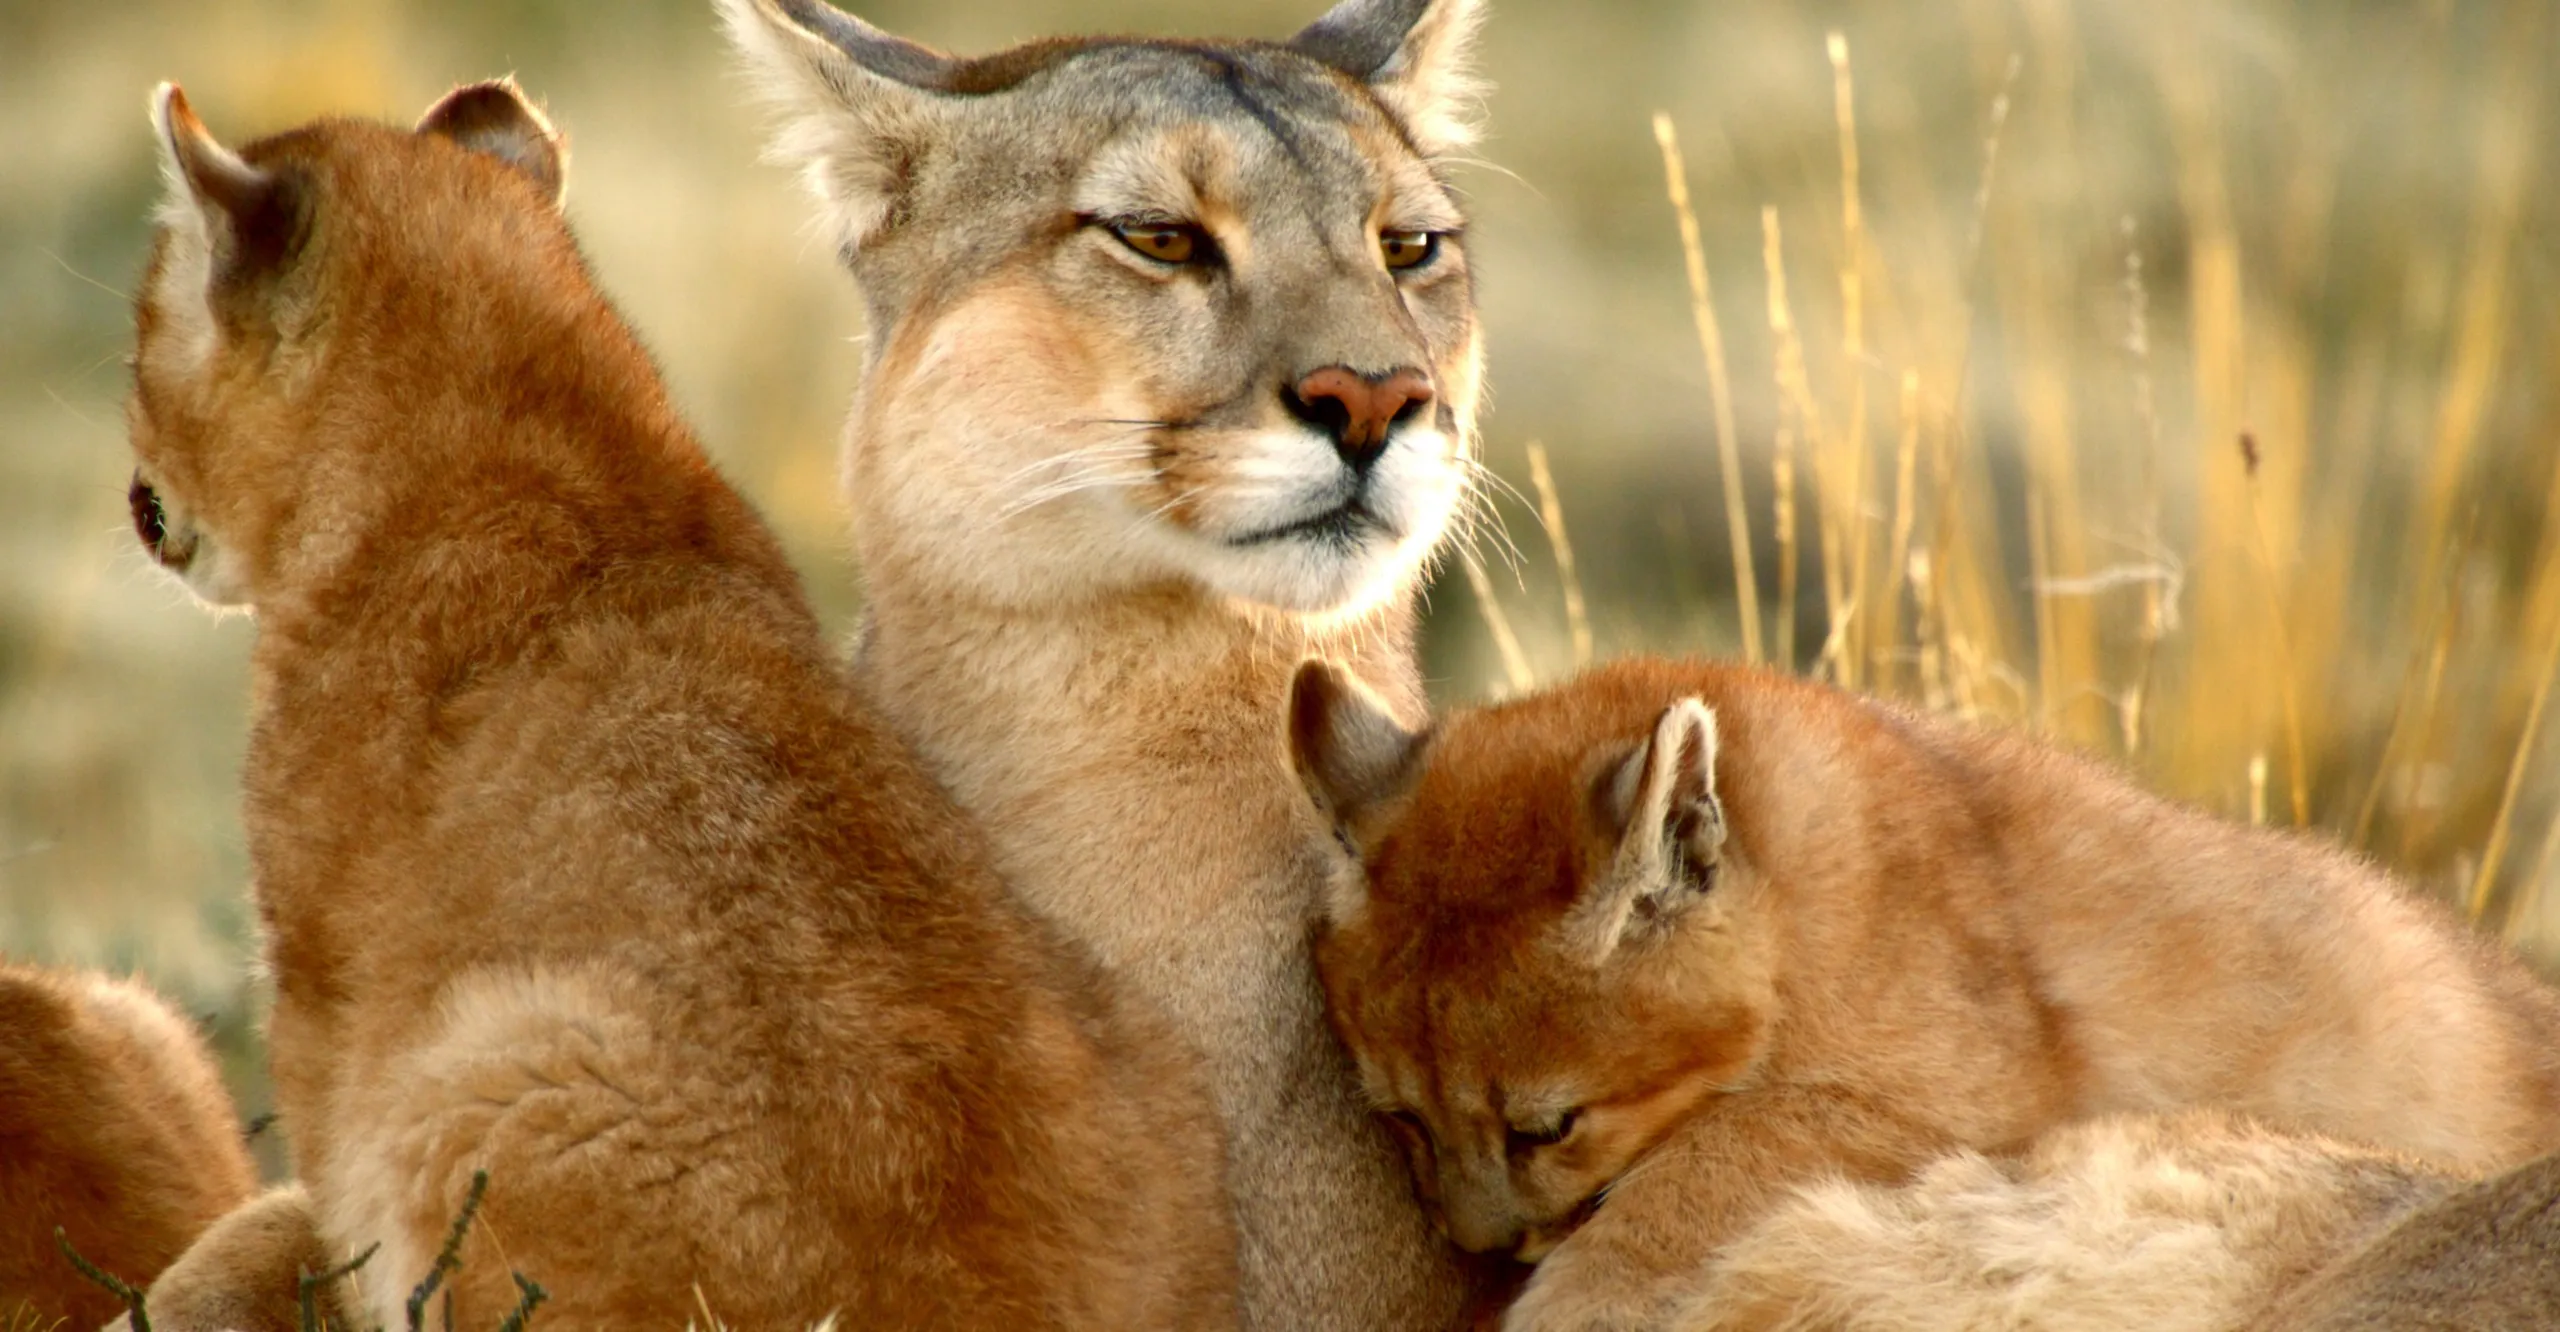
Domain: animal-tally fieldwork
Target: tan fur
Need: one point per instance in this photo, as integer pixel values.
(1059, 465)
(577, 863)
(2186, 1223)
(244, 1272)
(114, 1126)
(1689, 934)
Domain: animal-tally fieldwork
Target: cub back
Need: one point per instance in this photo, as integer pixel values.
(579, 869)
(114, 1126)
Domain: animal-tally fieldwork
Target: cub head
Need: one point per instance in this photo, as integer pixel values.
(278, 270)
(1147, 313)
(1552, 949)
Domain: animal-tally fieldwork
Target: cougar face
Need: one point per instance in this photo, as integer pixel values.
(1146, 312)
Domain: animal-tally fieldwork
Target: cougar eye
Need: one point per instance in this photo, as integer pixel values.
(1408, 249)
(1166, 242)
(1523, 1141)
(150, 520)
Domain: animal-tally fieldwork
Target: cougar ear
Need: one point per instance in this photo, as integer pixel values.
(1659, 803)
(1414, 54)
(493, 118)
(856, 104)
(1349, 750)
(228, 223)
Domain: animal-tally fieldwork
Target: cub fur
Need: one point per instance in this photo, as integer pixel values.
(2197, 1221)
(243, 1274)
(114, 1127)
(2180, 1223)
(576, 861)
(1171, 378)
(1632, 956)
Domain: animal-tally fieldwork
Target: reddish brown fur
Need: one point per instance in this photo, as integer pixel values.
(1918, 937)
(113, 1126)
(576, 859)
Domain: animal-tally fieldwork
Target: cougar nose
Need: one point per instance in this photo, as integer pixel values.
(1357, 409)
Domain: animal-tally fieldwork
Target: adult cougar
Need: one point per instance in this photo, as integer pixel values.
(1171, 380)
(576, 861)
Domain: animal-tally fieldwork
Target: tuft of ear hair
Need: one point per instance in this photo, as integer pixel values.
(1346, 745)
(1414, 55)
(494, 119)
(247, 218)
(1660, 803)
(855, 104)
(226, 227)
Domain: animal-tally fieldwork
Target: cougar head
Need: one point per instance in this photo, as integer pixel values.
(1553, 949)
(1147, 313)
(279, 327)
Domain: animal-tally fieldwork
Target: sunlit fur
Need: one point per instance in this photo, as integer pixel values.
(2197, 1221)
(114, 1127)
(2191, 1222)
(1916, 937)
(1070, 468)
(574, 858)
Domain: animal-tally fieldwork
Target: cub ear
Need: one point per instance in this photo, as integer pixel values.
(1660, 805)
(856, 104)
(1349, 751)
(229, 222)
(495, 119)
(1414, 55)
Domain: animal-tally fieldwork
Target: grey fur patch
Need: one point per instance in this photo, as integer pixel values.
(1360, 37)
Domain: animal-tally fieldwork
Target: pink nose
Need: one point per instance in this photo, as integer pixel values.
(1358, 409)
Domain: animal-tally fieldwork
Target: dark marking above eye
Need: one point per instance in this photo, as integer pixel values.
(1231, 79)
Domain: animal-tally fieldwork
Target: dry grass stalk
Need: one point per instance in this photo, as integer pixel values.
(2278, 640)
(2133, 711)
(1886, 618)
(1795, 393)
(1702, 311)
(1782, 487)
(2049, 686)
(2493, 854)
(1506, 644)
(1853, 351)
(1577, 615)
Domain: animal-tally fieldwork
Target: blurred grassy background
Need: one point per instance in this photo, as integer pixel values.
(1988, 430)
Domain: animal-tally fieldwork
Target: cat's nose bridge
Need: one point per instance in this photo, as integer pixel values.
(1334, 311)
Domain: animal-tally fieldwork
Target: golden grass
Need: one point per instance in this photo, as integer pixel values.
(2256, 569)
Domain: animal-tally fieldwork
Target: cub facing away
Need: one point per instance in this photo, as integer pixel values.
(1170, 382)
(114, 1126)
(576, 861)
(1626, 959)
